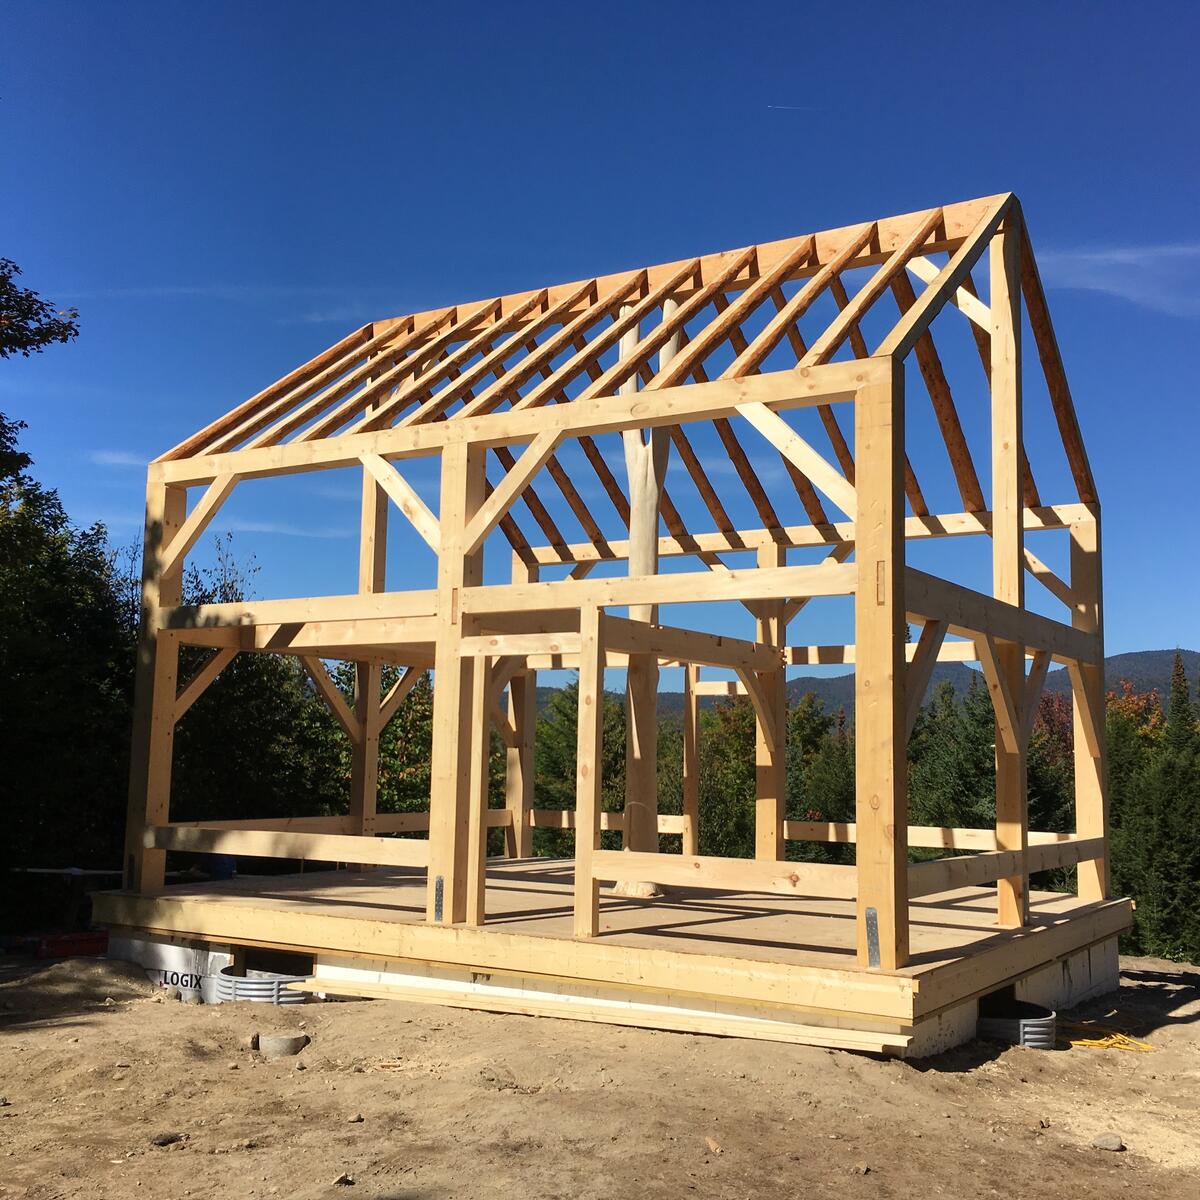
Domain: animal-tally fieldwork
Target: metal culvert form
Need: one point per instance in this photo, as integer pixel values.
(259, 987)
(1019, 1023)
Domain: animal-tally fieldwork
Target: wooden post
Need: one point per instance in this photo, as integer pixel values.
(588, 764)
(691, 760)
(519, 765)
(481, 745)
(462, 493)
(1008, 563)
(1091, 792)
(646, 465)
(368, 679)
(155, 683)
(881, 803)
(770, 741)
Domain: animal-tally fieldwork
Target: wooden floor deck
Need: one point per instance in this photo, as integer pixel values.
(781, 953)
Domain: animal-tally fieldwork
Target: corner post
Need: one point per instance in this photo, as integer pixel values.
(881, 765)
(770, 756)
(462, 492)
(1091, 791)
(155, 683)
(1008, 563)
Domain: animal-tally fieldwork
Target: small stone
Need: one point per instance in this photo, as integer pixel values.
(108, 1000)
(282, 1045)
(4, 1101)
(1043, 1123)
(251, 1042)
(714, 1147)
(345, 1179)
(231, 1066)
(300, 1065)
(1108, 1141)
(637, 890)
(860, 1169)
(166, 1139)
(120, 1065)
(354, 1119)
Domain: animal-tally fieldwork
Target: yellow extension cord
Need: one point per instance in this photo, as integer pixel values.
(1090, 1035)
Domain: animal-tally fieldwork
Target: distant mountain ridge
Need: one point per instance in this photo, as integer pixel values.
(1146, 670)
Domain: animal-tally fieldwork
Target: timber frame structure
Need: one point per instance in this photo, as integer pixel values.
(713, 362)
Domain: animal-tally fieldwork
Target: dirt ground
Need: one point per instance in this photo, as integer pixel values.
(418, 1101)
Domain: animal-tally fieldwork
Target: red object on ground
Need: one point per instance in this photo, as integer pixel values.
(72, 945)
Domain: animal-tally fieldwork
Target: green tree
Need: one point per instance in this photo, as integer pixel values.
(554, 765)
(28, 324)
(66, 675)
(1157, 844)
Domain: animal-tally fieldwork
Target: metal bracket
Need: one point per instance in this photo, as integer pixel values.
(872, 938)
(439, 887)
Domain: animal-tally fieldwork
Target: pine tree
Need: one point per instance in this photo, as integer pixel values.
(1159, 840)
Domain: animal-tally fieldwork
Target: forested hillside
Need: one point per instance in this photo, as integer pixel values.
(261, 743)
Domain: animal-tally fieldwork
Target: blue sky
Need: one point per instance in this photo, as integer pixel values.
(225, 189)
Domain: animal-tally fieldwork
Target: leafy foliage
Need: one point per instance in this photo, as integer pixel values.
(28, 324)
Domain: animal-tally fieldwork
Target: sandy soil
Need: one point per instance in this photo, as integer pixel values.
(416, 1101)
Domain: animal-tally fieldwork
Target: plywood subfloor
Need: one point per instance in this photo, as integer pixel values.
(534, 897)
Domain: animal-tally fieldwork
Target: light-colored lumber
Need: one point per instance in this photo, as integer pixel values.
(156, 672)
(964, 299)
(405, 498)
(588, 767)
(725, 874)
(1004, 663)
(462, 493)
(198, 684)
(881, 802)
(332, 695)
(278, 843)
(197, 521)
(920, 669)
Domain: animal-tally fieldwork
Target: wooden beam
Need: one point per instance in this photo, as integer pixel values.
(1004, 702)
(881, 802)
(1087, 690)
(1034, 683)
(823, 580)
(827, 345)
(397, 694)
(964, 299)
(830, 383)
(914, 322)
(1004, 666)
(156, 674)
(920, 669)
(726, 874)
(969, 613)
(332, 696)
(322, 847)
(974, 870)
(797, 451)
(198, 520)
(463, 485)
(589, 758)
(405, 498)
(510, 487)
(690, 760)
(198, 684)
